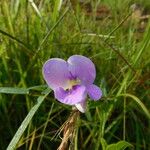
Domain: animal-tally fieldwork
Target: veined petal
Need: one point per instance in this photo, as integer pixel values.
(55, 72)
(94, 92)
(82, 68)
(81, 106)
(71, 97)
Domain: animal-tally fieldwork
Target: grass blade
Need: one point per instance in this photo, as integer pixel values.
(137, 100)
(14, 90)
(26, 121)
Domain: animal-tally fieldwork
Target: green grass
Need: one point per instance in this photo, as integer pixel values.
(31, 33)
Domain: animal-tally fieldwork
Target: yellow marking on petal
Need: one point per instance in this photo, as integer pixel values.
(72, 83)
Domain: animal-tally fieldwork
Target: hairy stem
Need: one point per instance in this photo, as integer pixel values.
(69, 131)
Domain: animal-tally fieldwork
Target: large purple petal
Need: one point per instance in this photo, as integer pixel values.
(94, 92)
(71, 97)
(55, 72)
(82, 68)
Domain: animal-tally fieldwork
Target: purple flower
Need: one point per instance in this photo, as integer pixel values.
(72, 80)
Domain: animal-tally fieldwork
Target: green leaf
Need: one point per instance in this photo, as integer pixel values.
(121, 145)
(138, 101)
(26, 121)
(38, 87)
(14, 90)
(104, 144)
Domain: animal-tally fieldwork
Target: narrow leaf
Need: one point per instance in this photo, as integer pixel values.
(104, 144)
(138, 101)
(26, 122)
(14, 90)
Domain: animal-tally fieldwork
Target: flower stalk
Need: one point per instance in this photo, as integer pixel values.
(69, 130)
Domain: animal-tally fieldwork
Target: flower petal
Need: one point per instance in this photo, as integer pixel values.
(71, 97)
(81, 106)
(82, 68)
(94, 92)
(55, 72)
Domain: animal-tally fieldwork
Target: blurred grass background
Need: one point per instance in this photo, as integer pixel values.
(114, 34)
